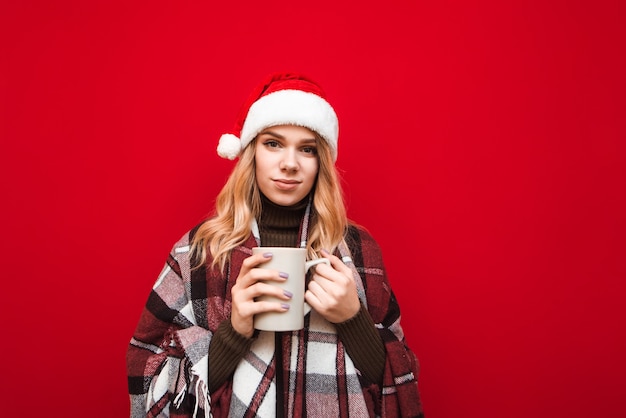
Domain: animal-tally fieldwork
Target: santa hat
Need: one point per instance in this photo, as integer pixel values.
(282, 99)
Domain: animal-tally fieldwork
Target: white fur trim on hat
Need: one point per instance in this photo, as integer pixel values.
(291, 107)
(229, 146)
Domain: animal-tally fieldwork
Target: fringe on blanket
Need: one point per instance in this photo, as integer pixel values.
(173, 380)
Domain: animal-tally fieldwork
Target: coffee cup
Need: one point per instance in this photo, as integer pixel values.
(293, 262)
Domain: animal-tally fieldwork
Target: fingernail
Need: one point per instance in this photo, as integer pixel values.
(287, 293)
(284, 306)
(283, 275)
(267, 255)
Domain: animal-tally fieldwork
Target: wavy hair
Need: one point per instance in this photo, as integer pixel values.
(239, 202)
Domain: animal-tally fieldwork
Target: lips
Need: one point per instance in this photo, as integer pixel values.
(286, 184)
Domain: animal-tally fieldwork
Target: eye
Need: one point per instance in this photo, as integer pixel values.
(310, 150)
(271, 143)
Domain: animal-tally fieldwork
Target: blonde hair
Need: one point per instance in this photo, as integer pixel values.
(239, 202)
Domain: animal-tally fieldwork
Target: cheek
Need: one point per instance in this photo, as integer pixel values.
(312, 172)
(260, 176)
(260, 164)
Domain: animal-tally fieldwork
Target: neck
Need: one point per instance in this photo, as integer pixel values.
(279, 226)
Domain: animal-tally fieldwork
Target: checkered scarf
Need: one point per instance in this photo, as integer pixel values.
(168, 361)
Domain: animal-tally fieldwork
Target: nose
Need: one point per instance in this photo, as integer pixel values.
(289, 161)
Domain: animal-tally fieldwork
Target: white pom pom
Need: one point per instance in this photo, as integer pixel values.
(229, 146)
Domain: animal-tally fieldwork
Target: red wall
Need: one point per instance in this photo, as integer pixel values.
(482, 145)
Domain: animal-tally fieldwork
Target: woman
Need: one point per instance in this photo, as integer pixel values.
(195, 351)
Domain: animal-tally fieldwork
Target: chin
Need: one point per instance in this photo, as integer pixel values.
(284, 200)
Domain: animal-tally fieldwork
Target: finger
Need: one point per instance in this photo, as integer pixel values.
(260, 297)
(315, 296)
(258, 274)
(242, 315)
(336, 305)
(334, 260)
(248, 264)
(337, 263)
(322, 282)
(267, 290)
(326, 275)
(254, 260)
(248, 310)
(266, 306)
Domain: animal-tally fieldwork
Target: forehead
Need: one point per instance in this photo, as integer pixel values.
(290, 131)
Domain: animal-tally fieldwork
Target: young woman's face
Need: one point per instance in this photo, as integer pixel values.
(286, 163)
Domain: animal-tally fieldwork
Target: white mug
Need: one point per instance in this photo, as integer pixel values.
(293, 262)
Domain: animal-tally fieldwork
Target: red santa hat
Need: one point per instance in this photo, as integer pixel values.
(282, 99)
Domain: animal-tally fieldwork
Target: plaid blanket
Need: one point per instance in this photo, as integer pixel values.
(168, 364)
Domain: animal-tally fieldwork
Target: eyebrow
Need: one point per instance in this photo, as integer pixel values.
(276, 135)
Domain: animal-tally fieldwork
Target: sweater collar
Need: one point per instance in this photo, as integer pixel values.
(283, 225)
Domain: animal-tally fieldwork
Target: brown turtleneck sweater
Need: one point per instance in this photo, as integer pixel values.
(279, 227)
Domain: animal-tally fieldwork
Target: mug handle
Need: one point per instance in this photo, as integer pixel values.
(307, 266)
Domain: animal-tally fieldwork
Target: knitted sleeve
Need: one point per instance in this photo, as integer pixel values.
(229, 347)
(364, 345)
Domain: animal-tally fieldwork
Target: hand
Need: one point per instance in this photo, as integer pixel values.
(332, 291)
(250, 285)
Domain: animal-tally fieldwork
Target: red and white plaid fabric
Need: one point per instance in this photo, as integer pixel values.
(168, 363)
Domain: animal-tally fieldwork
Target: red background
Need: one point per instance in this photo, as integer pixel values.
(481, 144)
